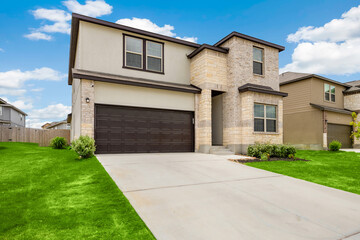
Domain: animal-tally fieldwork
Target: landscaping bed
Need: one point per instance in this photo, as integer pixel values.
(250, 160)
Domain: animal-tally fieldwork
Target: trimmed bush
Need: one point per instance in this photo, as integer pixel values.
(273, 150)
(84, 146)
(58, 143)
(335, 146)
(264, 156)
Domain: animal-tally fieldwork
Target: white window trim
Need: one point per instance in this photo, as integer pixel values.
(1, 110)
(161, 57)
(266, 118)
(330, 94)
(141, 54)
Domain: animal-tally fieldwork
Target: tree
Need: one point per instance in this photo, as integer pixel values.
(356, 126)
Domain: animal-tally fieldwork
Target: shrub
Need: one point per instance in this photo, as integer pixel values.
(273, 150)
(58, 143)
(335, 146)
(265, 156)
(84, 146)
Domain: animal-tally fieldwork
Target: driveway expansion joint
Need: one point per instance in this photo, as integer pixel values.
(203, 183)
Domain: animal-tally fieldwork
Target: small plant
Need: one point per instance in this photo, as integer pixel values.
(265, 156)
(58, 143)
(335, 146)
(292, 156)
(84, 146)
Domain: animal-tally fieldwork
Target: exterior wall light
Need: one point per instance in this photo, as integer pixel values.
(87, 100)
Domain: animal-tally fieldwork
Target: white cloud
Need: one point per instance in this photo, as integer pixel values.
(23, 105)
(329, 49)
(60, 19)
(53, 15)
(189, 39)
(38, 36)
(90, 8)
(147, 25)
(16, 78)
(38, 117)
(56, 111)
(12, 92)
(37, 89)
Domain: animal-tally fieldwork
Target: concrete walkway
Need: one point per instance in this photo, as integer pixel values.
(201, 196)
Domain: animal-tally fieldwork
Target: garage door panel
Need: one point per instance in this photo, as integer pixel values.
(120, 129)
(339, 133)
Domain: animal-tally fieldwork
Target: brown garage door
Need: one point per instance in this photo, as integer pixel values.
(340, 133)
(120, 129)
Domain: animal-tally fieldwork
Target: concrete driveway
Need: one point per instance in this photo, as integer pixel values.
(202, 196)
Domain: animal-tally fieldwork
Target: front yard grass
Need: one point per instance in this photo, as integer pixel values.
(339, 170)
(49, 194)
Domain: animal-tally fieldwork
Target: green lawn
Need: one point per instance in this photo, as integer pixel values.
(339, 170)
(49, 194)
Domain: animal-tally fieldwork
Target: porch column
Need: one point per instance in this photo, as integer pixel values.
(203, 121)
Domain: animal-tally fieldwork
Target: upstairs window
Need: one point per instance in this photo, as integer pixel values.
(329, 92)
(258, 58)
(265, 118)
(143, 54)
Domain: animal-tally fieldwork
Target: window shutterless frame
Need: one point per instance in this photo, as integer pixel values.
(258, 61)
(329, 93)
(265, 118)
(126, 39)
(144, 55)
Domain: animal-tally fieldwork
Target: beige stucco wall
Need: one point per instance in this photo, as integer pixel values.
(118, 94)
(299, 97)
(240, 64)
(76, 109)
(101, 49)
(352, 102)
(338, 118)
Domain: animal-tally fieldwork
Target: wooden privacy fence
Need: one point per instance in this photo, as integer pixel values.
(32, 135)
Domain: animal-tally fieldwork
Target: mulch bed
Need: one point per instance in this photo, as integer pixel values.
(270, 160)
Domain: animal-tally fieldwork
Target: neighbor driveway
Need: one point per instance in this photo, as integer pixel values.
(202, 196)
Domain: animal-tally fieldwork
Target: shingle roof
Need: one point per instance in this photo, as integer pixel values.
(6, 104)
(290, 77)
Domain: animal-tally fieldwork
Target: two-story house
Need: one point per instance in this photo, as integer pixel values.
(10, 115)
(137, 91)
(318, 110)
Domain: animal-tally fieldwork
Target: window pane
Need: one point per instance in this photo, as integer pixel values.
(270, 125)
(270, 111)
(257, 68)
(332, 90)
(327, 96)
(153, 49)
(134, 45)
(258, 110)
(154, 64)
(133, 60)
(333, 97)
(257, 54)
(327, 88)
(258, 125)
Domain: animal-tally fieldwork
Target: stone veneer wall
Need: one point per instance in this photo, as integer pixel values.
(87, 109)
(208, 71)
(352, 102)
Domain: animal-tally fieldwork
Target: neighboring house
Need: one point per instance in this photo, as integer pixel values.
(318, 110)
(137, 91)
(10, 115)
(57, 125)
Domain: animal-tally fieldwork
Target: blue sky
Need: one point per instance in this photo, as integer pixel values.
(33, 72)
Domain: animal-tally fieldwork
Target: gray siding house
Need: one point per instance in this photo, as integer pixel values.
(10, 115)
